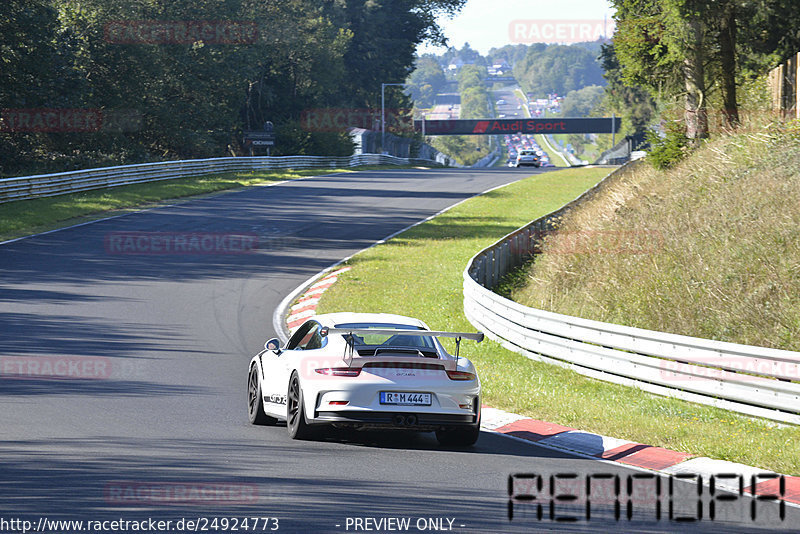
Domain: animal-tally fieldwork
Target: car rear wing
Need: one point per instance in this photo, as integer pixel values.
(474, 336)
(349, 332)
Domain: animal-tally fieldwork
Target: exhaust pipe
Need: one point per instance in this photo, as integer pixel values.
(404, 420)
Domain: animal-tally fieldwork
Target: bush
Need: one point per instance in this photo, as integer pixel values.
(667, 151)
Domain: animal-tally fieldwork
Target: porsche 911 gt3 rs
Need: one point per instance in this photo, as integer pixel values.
(366, 371)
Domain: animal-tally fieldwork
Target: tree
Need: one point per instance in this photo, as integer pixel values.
(29, 77)
(768, 31)
(385, 35)
(193, 96)
(634, 104)
(426, 81)
(511, 54)
(710, 46)
(661, 44)
(582, 102)
(557, 69)
(726, 31)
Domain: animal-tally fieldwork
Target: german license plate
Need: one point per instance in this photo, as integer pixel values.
(405, 399)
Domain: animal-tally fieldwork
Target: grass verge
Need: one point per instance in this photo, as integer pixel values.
(418, 273)
(26, 217)
(555, 156)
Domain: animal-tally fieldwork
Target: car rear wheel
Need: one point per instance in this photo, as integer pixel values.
(458, 437)
(295, 413)
(465, 436)
(255, 408)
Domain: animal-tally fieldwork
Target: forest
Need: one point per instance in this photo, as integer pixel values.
(701, 64)
(88, 83)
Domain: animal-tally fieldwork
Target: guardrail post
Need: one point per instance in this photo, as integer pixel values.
(493, 278)
(529, 242)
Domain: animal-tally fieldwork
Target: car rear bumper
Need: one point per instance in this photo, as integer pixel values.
(396, 420)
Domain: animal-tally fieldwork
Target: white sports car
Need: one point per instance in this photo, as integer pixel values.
(366, 371)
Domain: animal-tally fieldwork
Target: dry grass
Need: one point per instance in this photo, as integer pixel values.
(710, 248)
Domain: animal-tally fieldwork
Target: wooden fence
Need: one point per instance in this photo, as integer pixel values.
(784, 84)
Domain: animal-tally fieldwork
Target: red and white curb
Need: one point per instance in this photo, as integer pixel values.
(306, 305)
(668, 462)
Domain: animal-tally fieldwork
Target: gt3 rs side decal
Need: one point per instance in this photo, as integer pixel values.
(275, 399)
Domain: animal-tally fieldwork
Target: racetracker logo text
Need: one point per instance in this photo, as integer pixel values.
(729, 367)
(339, 119)
(51, 120)
(55, 367)
(54, 120)
(128, 493)
(165, 243)
(559, 31)
(598, 242)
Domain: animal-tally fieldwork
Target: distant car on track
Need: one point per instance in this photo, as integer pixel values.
(527, 157)
(366, 371)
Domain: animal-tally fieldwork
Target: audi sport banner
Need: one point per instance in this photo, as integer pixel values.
(526, 126)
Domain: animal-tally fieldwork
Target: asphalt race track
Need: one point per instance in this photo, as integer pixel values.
(155, 424)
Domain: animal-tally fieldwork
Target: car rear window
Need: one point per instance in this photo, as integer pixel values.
(372, 341)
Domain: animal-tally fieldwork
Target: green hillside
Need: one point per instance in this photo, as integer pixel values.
(710, 248)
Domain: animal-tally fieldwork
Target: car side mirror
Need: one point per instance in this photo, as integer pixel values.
(273, 344)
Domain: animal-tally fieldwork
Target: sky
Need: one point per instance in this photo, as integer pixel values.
(494, 23)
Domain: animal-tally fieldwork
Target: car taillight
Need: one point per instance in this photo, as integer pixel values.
(339, 371)
(460, 375)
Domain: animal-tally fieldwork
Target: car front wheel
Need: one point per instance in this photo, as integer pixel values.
(255, 408)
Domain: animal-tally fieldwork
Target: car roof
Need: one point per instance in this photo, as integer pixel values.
(332, 319)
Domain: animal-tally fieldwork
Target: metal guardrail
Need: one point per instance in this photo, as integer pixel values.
(487, 160)
(27, 187)
(750, 380)
(563, 152)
